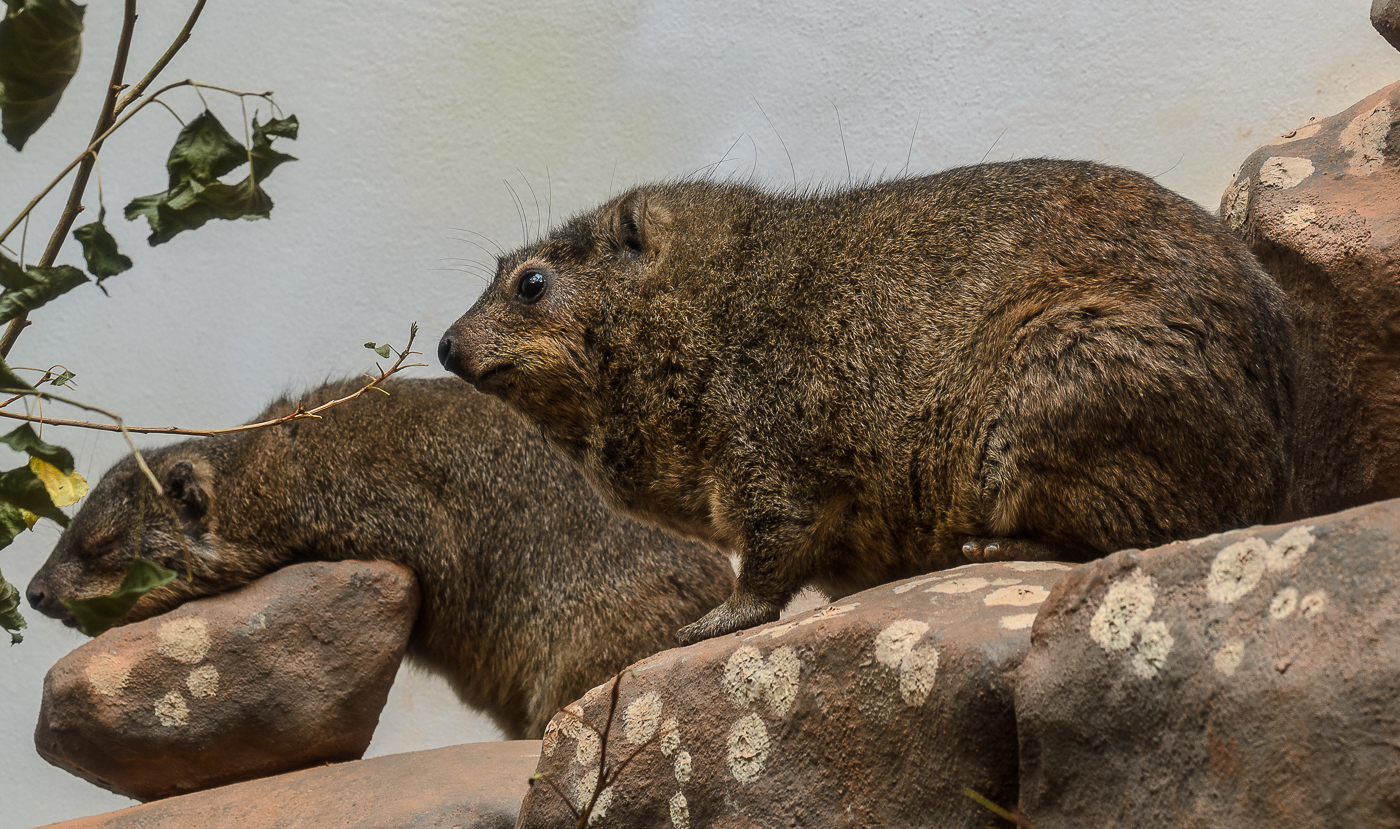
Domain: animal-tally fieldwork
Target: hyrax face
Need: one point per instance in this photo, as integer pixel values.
(122, 518)
(531, 338)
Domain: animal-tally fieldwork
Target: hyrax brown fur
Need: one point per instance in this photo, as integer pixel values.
(1029, 359)
(533, 591)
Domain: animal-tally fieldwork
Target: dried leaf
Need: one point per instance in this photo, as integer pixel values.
(99, 613)
(64, 490)
(10, 619)
(100, 249)
(40, 46)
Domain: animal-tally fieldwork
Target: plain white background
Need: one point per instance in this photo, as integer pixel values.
(424, 123)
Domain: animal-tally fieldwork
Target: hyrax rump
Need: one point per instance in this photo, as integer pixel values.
(533, 591)
(1021, 360)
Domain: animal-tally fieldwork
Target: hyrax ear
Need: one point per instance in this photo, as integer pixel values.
(182, 485)
(636, 223)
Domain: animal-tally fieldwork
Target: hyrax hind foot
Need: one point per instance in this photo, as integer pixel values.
(737, 612)
(983, 550)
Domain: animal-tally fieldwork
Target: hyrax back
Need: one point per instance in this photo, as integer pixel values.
(1036, 358)
(533, 590)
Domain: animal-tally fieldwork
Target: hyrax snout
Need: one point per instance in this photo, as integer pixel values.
(1029, 359)
(533, 591)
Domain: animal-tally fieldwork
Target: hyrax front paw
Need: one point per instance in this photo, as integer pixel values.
(731, 616)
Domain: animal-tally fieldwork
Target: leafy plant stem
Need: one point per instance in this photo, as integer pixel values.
(373, 384)
(141, 85)
(89, 157)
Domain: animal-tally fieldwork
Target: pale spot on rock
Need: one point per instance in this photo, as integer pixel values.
(966, 585)
(1227, 659)
(583, 791)
(1283, 173)
(682, 767)
(1123, 613)
(184, 640)
(1236, 570)
(1032, 566)
(1365, 137)
(172, 711)
(748, 677)
(1237, 203)
(670, 736)
(1152, 649)
(1020, 621)
(910, 585)
(1313, 604)
(1284, 603)
(894, 648)
(748, 749)
(1289, 548)
(897, 641)
(1298, 218)
(203, 681)
(588, 747)
(1019, 596)
(642, 717)
(680, 812)
(107, 673)
(829, 612)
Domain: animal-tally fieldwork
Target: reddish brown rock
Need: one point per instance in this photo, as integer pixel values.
(1243, 680)
(1385, 16)
(473, 786)
(874, 711)
(286, 673)
(1320, 207)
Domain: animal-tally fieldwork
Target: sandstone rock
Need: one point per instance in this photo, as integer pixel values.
(1244, 680)
(1320, 207)
(473, 786)
(876, 710)
(288, 672)
(1385, 16)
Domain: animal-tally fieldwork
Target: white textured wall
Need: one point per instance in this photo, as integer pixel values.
(415, 116)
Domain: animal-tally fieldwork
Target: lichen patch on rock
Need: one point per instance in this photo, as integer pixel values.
(1236, 570)
(1228, 658)
(1365, 138)
(172, 711)
(642, 718)
(107, 672)
(203, 681)
(1284, 603)
(747, 748)
(1123, 613)
(184, 640)
(1020, 621)
(1283, 173)
(1289, 548)
(1017, 596)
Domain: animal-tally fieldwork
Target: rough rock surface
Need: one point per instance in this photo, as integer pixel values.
(1385, 16)
(473, 786)
(876, 710)
(1320, 207)
(286, 673)
(1244, 680)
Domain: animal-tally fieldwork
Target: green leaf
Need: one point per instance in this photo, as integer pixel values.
(12, 523)
(190, 206)
(100, 250)
(22, 488)
(10, 619)
(25, 440)
(32, 287)
(40, 45)
(63, 378)
(383, 350)
(101, 612)
(266, 159)
(204, 151)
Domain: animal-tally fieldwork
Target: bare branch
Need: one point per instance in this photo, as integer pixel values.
(140, 87)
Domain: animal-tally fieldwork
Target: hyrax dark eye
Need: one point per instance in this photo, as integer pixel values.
(532, 286)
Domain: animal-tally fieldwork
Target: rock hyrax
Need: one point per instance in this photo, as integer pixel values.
(1030, 359)
(533, 591)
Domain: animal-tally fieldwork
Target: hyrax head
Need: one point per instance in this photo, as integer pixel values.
(124, 517)
(537, 334)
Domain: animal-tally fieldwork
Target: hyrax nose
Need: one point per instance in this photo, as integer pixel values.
(35, 596)
(445, 355)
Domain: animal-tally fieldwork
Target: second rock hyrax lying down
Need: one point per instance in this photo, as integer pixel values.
(1022, 360)
(533, 591)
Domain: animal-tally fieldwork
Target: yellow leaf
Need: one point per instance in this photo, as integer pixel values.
(30, 519)
(64, 490)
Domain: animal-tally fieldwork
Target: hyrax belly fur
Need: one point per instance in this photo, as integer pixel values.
(1030, 359)
(533, 591)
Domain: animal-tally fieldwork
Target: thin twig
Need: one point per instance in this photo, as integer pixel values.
(557, 791)
(75, 196)
(184, 35)
(374, 382)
